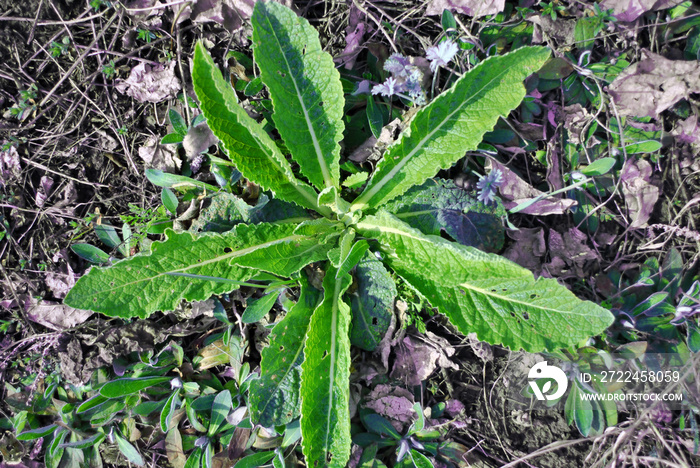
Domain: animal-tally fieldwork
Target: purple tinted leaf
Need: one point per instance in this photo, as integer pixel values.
(439, 205)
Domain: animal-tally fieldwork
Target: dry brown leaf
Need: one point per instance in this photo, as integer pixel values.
(515, 191)
(394, 403)
(474, 8)
(419, 355)
(231, 14)
(148, 83)
(9, 165)
(163, 157)
(528, 248)
(640, 194)
(56, 316)
(198, 140)
(654, 84)
(173, 448)
(569, 253)
(688, 130)
(630, 10)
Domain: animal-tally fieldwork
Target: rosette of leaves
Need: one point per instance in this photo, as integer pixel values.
(306, 368)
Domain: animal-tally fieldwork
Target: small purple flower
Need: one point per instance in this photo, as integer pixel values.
(388, 88)
(398, 65)
(442, 54)
(487, 186)
(362, 88)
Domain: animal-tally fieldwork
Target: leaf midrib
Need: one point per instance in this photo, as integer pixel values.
(331, 379)
(220, 258)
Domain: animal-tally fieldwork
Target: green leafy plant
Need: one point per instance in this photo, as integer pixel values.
(59, 48)
(306, 368)
(410, 449)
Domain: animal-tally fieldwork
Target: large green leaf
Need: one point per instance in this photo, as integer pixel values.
(193, 268)
(304, 88)
(249, 147)
(325, 376)
(372, 303)
(452, 124)
(439, 205)
(484, 293)
(274, 397)
(225, 210)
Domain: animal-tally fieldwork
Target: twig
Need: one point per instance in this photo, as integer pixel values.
(78, 61)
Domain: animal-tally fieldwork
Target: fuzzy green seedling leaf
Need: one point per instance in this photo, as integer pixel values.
(90, 253)
(258, 308)
(127, 386)
(166, 414)
(220, 408)
(178, 123)
(255, 460)
(164, 179)
(453, 123)
(305, 90)
(88, 442)
(129, 451)
(108, 235)
(169, 200)
(37, 433)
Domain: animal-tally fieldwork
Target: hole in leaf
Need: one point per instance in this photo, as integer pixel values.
(111, 283)
(228, 250)
(374, 320)
(493, 290)
(329, 456)
(325, 354)
(526, 316)
(504, 289)
(281, 73)
(534, 296)
(462, 292)
(94, 299)
(281, 348)
(512, 314)
(320, 104)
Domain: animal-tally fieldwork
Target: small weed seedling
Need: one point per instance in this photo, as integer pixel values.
(306, 368)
